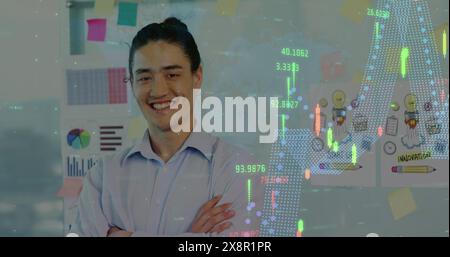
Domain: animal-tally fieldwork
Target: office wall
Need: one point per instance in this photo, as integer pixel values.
(240, 50)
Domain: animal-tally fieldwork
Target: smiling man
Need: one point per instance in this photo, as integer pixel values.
(175, 184)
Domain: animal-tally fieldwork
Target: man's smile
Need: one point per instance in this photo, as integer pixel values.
(159, 106)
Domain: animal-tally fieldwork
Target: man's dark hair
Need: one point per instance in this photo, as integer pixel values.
(171, 30)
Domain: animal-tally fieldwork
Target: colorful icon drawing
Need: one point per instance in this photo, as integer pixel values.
(440, 146)
(432, 126)
(389, 148)
(78, 138)
(412, 137)
(428, 106)
(424, 169)
(359, 122)
(366, 145)
(391, 126)
(323, 102)
(339, 116)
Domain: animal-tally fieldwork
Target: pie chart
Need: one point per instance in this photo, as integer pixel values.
(78, 138)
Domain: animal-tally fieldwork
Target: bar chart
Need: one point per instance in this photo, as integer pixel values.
(77, 166)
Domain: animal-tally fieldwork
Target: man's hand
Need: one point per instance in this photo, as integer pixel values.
(117, 232)
(210, 217)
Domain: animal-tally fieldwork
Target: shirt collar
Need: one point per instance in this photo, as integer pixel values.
(201, 141)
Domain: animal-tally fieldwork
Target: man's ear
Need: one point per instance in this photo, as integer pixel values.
(198, 77)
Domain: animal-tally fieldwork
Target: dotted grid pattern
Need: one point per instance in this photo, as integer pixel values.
(426, 75)
(96, 86)
(376, 91)
(87, 87)
(289, 157)
(379, 81)
(117, 86)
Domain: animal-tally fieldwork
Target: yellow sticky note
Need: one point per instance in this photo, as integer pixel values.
(392, 59)
(136, 127)
(355, 10)
(401, 202)
(227, 7)
(104, 8)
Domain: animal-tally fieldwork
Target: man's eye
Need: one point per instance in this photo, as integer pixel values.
(172, 76)
(143, 79)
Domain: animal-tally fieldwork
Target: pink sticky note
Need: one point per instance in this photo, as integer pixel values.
(96, 29)
(332, 66)
(71, 187)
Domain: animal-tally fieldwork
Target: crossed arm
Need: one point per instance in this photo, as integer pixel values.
(211, 218)
(226, 213)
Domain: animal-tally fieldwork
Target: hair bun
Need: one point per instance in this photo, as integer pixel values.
(172, 21)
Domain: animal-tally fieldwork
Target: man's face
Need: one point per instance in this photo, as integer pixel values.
(162, 72)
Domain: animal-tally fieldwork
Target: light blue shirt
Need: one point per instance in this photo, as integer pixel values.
(137, 192)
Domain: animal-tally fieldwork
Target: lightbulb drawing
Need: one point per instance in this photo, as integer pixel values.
(412, 138)
(341, 134)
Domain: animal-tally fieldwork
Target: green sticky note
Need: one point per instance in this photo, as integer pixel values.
(127, 14)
